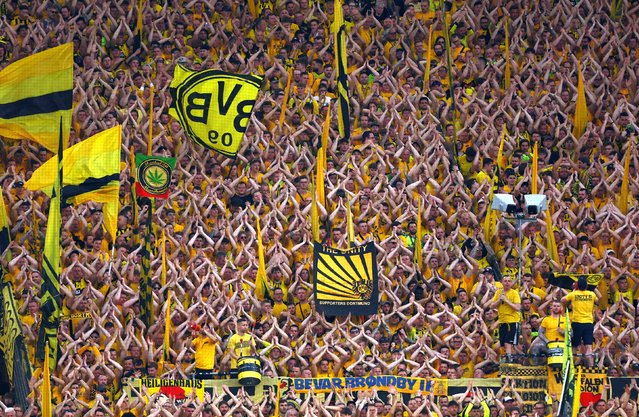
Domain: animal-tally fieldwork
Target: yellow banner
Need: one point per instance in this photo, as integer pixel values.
(179, 389)
(531, 383)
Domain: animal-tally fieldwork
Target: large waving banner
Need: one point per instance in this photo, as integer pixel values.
(405, 385)
(214, 107)
(567, 281)
(345, 281)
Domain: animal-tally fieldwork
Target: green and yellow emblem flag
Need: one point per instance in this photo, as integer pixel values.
(338, 29)
(153, 175)
(35, 92)
(91, 173)
(345, 281)
(214, 107)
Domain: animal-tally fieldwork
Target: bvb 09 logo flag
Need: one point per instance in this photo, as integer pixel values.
(214, 107)
(345, 280)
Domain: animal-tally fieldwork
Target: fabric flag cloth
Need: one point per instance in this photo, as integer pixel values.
(166, 346)
(417, 253)
(47, 408)
(534, 188)
(139, 25)
(91, 173)
(5, 238)
(146, 298)
(338, 28)
(429, 52)
(507, 70)
(153, 175)
(567, 281)
(163, 277)
(625, 182)
(261, 288)
(568, 388)
(582, 115)
(35, 93)
(12, 343)
(320, 163)
(345, 281)
(133, 194)
(551, 243)
(214, 107)
(50, 301)
(287, 94)
(315, 226)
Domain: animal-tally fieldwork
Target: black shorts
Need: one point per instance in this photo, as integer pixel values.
(508, 333)
(203, 373)
(582, 333)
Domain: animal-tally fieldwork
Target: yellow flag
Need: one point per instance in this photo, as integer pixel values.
(551, 243)
(261, 290)
(50, 299)
(349, 223)
(418, 239)
(338, 28)
(163, 281)
(320, 163)
(429, 51)
(166, 347)
(45, 389)
(582, 116)
(314, 216)
(35, 94)
(214, 107)
(507, 70)
(500, 153)
(625, 182)
(535, 169)
(287, 94)
(91, 172)
(5, 239)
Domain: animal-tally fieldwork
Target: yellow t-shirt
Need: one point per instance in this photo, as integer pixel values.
(583, 303)
(204, 352)
(552, 324)
(240, 345)
(507, 314)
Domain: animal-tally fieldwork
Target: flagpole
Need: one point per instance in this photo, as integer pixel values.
(451, 89)
(149, 149)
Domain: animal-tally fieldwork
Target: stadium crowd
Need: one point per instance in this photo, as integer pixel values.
(411, 144)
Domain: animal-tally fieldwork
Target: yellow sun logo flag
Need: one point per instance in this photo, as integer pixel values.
(345, 280)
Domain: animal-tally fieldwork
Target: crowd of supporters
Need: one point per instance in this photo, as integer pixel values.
(411, 144)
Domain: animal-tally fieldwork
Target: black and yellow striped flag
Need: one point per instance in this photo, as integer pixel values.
(12, 341)
(91, 173)
(339, 32)
(4, 227)
(50, 302)
(146, 298)
(35, 93)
